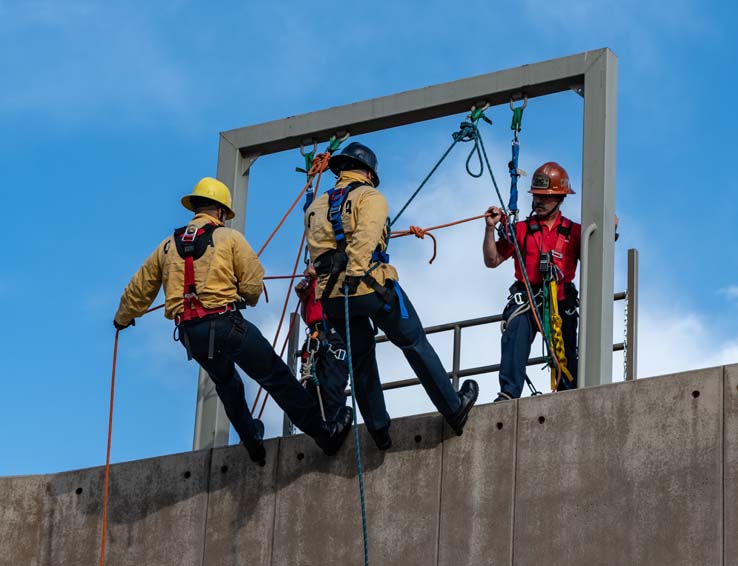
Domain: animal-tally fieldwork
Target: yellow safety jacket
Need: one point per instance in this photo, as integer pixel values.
(364, 217)
(228, 271)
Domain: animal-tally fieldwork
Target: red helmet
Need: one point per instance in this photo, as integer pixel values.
(550, 179)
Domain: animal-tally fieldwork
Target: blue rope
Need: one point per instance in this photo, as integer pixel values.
(424, 181)
(356, 426)
(514, 175)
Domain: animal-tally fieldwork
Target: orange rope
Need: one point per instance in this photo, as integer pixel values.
(422, 232)
(281, 318)
(319, 166)
(294, 276)
(281, 354)
(107, 457)
(418, 232)
(284, 218)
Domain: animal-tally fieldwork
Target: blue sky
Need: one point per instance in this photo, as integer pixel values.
(111, 112)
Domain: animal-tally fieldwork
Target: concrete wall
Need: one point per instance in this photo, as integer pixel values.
(642, 473)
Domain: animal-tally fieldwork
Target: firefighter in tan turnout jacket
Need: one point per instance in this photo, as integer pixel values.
(209, 272)
(347, 234)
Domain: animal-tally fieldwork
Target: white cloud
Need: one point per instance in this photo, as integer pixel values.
(731, 292)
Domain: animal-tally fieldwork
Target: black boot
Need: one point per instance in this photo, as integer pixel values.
(255, 445)
(335, 432)
(468, 396)
(381, 437)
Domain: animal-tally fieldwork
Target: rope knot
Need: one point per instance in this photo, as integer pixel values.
(419, 232)
(320, 164)
(467, 132)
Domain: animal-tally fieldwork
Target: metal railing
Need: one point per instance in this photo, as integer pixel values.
(629, 344)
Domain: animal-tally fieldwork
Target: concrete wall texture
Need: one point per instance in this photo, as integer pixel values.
(639, 473)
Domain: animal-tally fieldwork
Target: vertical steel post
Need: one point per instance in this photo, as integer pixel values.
(631, 306)
(457, 357)
(292, 346)
(211, 423)
(598, 209)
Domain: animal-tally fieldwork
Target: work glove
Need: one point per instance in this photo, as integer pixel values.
(351, 283)
(124, 326)
(302, 286)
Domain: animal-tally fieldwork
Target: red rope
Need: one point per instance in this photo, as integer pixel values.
(107, 457)
(281, 354)
(319, 166)
(423, 232)
(281, 318)
(284, 218)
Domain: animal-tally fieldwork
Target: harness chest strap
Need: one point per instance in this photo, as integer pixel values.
(562, 238)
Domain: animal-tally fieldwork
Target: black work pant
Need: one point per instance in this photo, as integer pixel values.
(407, 333)
(518, 338)
(331, 371)
(238, 342)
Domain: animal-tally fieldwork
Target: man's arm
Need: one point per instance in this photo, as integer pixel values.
(490, 251)
(248, 270)
(141, 291)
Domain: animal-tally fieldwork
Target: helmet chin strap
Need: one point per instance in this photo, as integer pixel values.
(549, 214)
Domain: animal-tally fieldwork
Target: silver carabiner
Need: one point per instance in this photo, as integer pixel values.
(302, 147)
(512, 102)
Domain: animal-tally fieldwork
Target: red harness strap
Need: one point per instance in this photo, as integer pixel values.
(562, 242)
(188, 249)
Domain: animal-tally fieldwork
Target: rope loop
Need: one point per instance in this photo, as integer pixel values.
(419, 232)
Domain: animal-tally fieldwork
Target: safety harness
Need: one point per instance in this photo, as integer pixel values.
(192, 242)
(547, 295)
(334, 262)
(533, 225)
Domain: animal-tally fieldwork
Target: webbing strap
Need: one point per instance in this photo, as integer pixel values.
(400, 300)
(558, 340)
(336, 199)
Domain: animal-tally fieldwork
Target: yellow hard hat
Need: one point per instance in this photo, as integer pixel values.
(212, 189)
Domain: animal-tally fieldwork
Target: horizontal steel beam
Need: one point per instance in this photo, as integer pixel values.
(538, 79)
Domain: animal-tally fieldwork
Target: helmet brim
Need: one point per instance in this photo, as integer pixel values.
(340, 162)
(187, 203)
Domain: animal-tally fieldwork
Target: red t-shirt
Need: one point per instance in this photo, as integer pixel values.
(532, 244)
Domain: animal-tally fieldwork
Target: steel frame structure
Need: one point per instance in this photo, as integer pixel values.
(592, 74)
